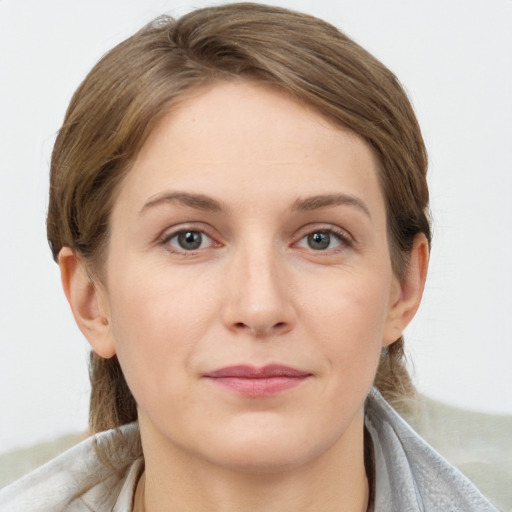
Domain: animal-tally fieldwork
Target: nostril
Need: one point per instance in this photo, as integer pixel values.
(260, 329)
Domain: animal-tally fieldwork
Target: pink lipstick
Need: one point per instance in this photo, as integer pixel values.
(258, 382)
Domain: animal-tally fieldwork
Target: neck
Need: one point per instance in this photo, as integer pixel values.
(332, 482)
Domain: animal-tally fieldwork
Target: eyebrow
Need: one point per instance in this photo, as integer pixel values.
(327, 200)
(206, 203)
(197, 201)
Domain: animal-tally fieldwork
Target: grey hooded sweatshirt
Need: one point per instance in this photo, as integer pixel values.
(410, 476)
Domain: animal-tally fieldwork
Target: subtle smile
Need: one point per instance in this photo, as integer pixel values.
(258, 382)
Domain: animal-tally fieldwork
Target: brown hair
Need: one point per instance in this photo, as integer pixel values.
(132, 86)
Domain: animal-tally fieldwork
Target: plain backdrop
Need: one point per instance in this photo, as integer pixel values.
(455, 60)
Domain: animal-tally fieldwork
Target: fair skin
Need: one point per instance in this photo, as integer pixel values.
(286, 262)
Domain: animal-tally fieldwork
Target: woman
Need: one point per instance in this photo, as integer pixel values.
(238, 210)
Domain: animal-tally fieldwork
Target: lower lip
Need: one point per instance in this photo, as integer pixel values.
(259, 387)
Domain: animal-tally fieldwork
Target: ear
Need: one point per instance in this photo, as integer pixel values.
(88, 302)
(406, 295)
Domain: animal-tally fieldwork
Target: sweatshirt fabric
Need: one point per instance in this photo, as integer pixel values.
(410, 476)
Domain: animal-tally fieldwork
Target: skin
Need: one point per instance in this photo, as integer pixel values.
(255, 292)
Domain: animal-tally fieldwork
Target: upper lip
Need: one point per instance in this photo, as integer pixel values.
(252, 372)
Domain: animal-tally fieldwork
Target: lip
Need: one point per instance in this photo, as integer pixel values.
(252, 381)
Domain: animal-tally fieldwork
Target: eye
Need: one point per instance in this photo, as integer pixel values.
(189, 240)
(322, 240)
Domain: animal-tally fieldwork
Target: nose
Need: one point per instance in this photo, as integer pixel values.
(259, 301)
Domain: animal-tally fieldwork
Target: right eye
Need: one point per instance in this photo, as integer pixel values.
(189, 240)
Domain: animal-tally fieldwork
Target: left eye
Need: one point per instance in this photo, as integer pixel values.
(189, 240)
(321, 240)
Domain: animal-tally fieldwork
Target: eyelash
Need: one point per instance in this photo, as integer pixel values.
(344, 239)
(167, 237)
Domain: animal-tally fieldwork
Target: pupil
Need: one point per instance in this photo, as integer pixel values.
(319, 241)
(190, 240)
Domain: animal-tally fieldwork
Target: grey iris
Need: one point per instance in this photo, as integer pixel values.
(319, 241)
(190, 240)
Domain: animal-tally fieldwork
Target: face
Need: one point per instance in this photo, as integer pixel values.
(248, 283)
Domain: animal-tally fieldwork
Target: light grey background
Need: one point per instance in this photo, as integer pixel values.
(453, 57)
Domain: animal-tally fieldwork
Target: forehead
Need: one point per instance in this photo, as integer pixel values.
(247, 139)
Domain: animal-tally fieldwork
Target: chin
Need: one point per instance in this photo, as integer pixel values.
(260, 461)
(267, 451)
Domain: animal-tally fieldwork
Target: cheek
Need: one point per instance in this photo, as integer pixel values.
(158, 320)
(351, 306)
(347, 318)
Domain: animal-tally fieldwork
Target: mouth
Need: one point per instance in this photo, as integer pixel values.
(258, 382)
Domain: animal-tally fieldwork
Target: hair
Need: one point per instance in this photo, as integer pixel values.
(143, 78)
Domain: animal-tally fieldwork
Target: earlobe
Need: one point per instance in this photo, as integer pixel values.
(407, 293)
(88, 303)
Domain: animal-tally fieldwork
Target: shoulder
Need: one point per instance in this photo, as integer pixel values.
(410, 474)
(77, 480)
